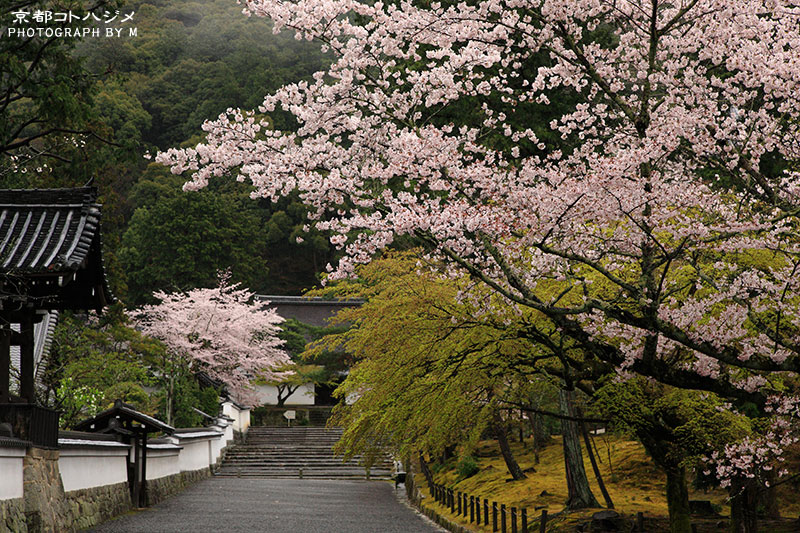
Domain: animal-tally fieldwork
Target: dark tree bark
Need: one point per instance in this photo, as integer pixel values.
(540, 434)
(501, 433)
(678, 500)
(579, 493)
(448, 453)
(768, 496)
(744, 501)
(595, 468)
(541, 437)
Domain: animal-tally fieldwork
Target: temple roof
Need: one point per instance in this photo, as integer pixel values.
(50, 249)
(117, 418)
(314, 311)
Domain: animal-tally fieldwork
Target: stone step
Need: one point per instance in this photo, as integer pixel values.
(295, 473)
(283, 452)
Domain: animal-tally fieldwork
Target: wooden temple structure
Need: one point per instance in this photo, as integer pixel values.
(132, 427)
(50, 260)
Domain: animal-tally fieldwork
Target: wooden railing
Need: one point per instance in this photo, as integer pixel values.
(35, 424)
(477, 510)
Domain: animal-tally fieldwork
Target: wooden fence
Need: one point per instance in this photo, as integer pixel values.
(477, 510)
(503, 519)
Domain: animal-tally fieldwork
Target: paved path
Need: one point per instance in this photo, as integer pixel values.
(277, 506)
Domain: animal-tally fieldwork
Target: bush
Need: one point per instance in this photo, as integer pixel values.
(467, 467)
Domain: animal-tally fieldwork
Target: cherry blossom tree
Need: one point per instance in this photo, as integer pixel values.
(221, 331)
(662, 202)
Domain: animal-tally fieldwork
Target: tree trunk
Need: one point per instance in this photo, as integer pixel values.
(595, 468)
(579, 494)
(281, 397)
(448, 453)
(540, 434)
(678, 501)
(502, 439)
(170, 399)
(768, 496)
(744, 500)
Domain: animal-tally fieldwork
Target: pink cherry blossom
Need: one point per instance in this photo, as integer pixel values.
(675, 254)
(221, 331)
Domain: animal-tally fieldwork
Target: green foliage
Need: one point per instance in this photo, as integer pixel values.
(467, 467)
(92, 364)
(44, 90)
(183, 240)
(76, 402)
(191, 61)
(426, 374)
(188, 395)
(194, 59)
(676, 426)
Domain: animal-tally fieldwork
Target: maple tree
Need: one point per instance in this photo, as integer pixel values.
(428, 374)
(664, 206)
(221, 331)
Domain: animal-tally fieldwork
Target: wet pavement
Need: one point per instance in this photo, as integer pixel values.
(277, 506)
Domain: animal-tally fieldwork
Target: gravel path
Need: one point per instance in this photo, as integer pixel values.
(277, 506)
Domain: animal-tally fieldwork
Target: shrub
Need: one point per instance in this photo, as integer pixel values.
(467, 467)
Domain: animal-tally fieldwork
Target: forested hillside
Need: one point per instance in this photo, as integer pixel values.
(115, 100)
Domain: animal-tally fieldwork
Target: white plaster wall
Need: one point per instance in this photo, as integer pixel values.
(162, 461)
(241, 417)
(216, 447)
(268, 395)
(11, 473)
(195, 454)
(84, 466)
(225, 426)
(244, 420)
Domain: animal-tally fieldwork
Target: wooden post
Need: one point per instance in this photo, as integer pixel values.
(472, 509)
(494, 517)
(503, 517)
(513, 520)
(543, 521)
(524, 519)
(5, 365)
(640, 522)
(136, 473)
(459, 503)
(485, 511)
(478, 510)
(26, 368)
(143, 494)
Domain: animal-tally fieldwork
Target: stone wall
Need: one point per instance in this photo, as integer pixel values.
(164, 487)
(45, 504)
(89, 507)
(12, 516)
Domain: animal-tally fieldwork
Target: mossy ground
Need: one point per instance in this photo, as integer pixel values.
(633, 481)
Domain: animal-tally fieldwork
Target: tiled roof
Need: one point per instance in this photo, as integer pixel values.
(47, 230)
(122, 412)
(314, 311)
(50, 248)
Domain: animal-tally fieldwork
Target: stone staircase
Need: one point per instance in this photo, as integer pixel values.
(292, 452)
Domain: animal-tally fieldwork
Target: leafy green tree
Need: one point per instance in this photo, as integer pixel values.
(92, 363)
(182, 240)
(427, 376)
(320, 367)
(45, 93)
(677, 427)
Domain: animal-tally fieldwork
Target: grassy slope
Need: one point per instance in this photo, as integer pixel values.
(633, 482)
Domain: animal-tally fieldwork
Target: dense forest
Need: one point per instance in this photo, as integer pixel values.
(91, 111)
(101, 105)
